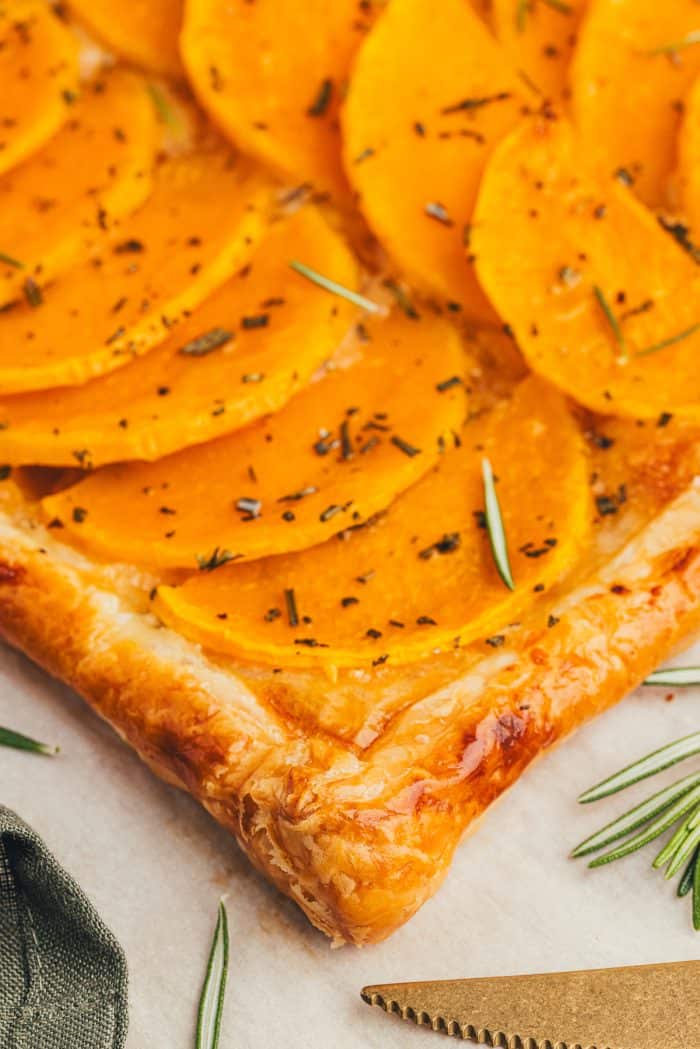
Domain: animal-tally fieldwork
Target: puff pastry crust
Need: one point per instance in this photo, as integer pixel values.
(358, 828)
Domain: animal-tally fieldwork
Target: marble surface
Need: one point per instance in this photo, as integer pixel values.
(155, 866)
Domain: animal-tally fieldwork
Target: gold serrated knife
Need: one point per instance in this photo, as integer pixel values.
(637, 1007)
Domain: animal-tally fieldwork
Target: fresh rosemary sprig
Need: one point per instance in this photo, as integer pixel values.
(670, 341)
(8, 738)
(211, 1003)
(675, 677)
(494, 526)
(612, 320)
(676, 806)
(337, 289)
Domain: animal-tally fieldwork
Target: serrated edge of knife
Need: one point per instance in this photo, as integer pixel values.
(466, 1031)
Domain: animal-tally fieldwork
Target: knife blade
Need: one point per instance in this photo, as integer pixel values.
(634, 1007)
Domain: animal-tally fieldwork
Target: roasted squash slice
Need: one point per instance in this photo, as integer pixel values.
(422, 576)
(339, 452)
(635, 62)
(416, 142)
(272, 75)
(144, 32)
(689, 168)
(601, 300)
(38, 77)
(96, 170)
(539, 37)
(196, 230)
(242, 353)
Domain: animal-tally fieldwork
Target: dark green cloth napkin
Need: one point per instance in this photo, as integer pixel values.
(63, 978)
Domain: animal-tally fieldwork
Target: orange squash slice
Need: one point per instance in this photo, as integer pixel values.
(601, 300)
(422, 576)
(212, 375)
(416, 145)
(96, 170)
(339, 452)
(38, 77)
(539, 37)
(195, 231)
(144, 32)
(689, 166)
(634, 64)
(272, 75)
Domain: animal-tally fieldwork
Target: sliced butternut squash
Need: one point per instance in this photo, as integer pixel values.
(339, 452)
(144, 32)
(422, 576)
(242, 353)
(273, 74)
(601, 300)
(196, 230)
(539, 37)
(95, 171)
(38, 77)
(689, 167)
(431, 94)
(634, 64)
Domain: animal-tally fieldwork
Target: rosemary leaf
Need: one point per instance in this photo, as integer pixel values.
(611, 319)
(685, 849)
(671, 341)
(674, 843)
(654, 830)
(675, 677)
(8, 260)
(647, 766)
(211, 1003)
(494, 526)
(686, 882)
(678, 45)
(633, 819)
(8, 738)
(696, 897)
(166, 113)
(337, 289)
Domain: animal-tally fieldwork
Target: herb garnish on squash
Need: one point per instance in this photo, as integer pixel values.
(336, 454)
(209, 376)
(197, 229)
(430, 135)
(38, 78)
(538, 197)
(539, 36)
(421, 576)
(93, 172)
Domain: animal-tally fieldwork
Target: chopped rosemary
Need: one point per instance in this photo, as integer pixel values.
(671, 341)
(33, 293)
(320, 104)
(166, 113)
(207, 343)
(676, 806)
(211, 1002)
(494, 526)
(675, 677)
(17, 741)
(216, 559)
(678, 45)
(336, 289)
(8, 260)
(610, 318)
(290, 601)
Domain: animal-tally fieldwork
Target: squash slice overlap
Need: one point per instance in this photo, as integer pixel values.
(272, 75)
(431, 94)
(189, 389)
(422, 576)
(602, 302)
(144, 32)
(635, 62)
(195, 231)
(689, 167)
(38, 77)
(96, 170)
(540, 38)
(337, 453)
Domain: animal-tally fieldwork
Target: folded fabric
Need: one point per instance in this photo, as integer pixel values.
(63, 976)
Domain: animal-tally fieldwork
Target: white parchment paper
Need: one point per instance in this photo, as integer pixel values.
(155, 865)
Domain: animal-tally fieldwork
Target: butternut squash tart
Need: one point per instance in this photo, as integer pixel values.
(352, 596)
